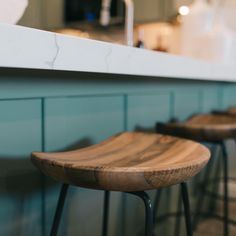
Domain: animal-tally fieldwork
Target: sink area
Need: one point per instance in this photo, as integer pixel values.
(113, 34)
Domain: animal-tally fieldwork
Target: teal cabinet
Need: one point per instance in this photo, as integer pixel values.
(81, 121)
(186, 104)
(42, 110)
(144, 110)
(20, 182)
(210, 99)
(228, 95)
(71, 123)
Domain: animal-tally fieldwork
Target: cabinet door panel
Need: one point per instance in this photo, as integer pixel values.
(145, 110)
(73, 123)
(210, 100)
(20, 182)
(229, 96)
(186, 104)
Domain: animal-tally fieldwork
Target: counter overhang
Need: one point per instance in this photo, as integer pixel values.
(22, 47)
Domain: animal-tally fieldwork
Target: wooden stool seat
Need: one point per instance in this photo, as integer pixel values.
(130, 161)
(231, 111)
(209, 127)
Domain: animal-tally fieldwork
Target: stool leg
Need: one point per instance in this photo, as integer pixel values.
(178, 216)
(201, 196)
(156, 203)
(187, 214)
(60, 205)
(215, 185)
(105, 213)
(226, 199)
(148, 211)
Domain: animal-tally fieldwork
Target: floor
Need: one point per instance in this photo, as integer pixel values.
(213, 227)
(207, 227)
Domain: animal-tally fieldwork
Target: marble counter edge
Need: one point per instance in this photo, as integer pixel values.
(22, 47)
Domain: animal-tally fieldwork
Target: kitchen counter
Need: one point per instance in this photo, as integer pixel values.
(62, 93)
(22, 47)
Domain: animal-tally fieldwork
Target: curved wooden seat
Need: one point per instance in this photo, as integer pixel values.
(208, 127)
(131, 161)
(231, 111)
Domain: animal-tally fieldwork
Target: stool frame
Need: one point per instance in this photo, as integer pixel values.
(149, 217)
(199, 204)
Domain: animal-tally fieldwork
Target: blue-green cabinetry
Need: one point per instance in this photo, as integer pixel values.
(52, 111)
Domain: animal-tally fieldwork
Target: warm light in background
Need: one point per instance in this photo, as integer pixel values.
(184, 10)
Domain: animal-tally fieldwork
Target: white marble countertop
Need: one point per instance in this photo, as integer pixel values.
(22, 47)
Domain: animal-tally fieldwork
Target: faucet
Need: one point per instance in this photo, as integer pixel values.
(105, 12)
(129, 18)
(129, 22)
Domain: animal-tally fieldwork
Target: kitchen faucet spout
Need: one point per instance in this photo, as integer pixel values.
(129, 22)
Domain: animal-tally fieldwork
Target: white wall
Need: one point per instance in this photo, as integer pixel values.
(43, 14)
(53, 13)
(33, 15)
(150, 10)
(231, 13)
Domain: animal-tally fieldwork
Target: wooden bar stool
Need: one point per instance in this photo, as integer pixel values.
(130, 162)
(211, 128)
(229, 112)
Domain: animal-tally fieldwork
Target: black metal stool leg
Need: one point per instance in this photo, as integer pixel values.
(178, 216)
(148, 210)
(216, 184)
(105, 213)
(187, 214)
(60, 205)
(201, 197)
(156, 204)
(226, 199)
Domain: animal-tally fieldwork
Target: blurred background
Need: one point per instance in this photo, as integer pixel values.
(163, 25)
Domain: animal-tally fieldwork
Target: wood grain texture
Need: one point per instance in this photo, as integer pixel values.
(228, 112)
(206, 127)
(131, 161)
(231, 111)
